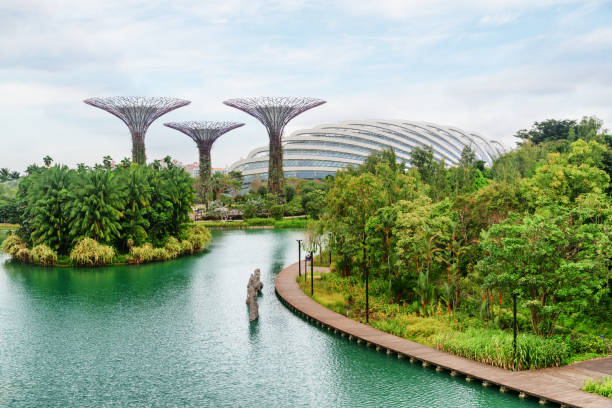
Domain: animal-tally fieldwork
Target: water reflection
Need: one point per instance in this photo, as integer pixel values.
(177, 334)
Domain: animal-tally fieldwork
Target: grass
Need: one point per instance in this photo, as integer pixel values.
(458, 334)
(256, 222)
(601, 387)
(5, 227)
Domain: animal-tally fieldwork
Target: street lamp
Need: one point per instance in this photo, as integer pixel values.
(299, 241)
(311, 274)
(514, 324)
(367, 274)
(329, 246)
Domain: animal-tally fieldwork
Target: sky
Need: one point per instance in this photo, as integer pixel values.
(488, 66)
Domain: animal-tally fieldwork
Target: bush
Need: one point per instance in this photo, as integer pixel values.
(186, 247)
(141, 254)
(43, 255)
(249, 210)
(495, 347)
(199, 237)
(173, 247)
(294, 207)
(601, 387)
(12, 244)
(160, 254)
(89, 252)
(277, 211)
(259, 222)
(587, 344)
(23, 254)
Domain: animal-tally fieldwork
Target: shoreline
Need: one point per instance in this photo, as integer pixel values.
(559, 385)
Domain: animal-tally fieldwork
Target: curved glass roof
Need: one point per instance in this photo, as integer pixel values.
(324, 149)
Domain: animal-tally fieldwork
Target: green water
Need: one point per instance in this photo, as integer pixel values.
(177, 334)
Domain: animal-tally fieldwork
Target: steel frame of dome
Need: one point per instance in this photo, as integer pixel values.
(327, 148)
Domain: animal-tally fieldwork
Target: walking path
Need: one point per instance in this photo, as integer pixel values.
(560, 385)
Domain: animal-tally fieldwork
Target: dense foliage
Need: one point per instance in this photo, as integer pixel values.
(464, 238)
(94, 214)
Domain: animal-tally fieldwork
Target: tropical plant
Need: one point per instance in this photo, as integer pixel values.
(89, 252)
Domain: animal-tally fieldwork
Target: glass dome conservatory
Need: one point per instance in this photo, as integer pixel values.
(318, 152)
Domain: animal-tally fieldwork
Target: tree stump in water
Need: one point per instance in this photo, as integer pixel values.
(253, 290)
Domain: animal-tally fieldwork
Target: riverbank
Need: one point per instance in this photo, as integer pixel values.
(560, 385)
(256, 223)
(90, 253)
(480, 338)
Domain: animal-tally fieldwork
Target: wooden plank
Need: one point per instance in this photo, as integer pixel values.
(560, 385)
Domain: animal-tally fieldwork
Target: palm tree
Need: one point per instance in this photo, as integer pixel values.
(14, 175)
(47, 160)
(107, 161)
(137, 205)
(97, 204)
(4, 174)
(47, 202)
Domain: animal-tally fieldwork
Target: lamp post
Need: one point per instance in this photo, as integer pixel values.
(367, 274)
(514, 325)
(299, 241)
(329, 246)
(311, 274)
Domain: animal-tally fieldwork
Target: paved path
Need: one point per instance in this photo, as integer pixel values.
(560, 385)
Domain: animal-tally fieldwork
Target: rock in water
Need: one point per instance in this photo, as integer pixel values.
(253, 290)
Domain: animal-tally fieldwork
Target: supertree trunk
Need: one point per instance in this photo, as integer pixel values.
(274, 113)
(204, 134)
(205, 172)
(138, 148)
(276, 179)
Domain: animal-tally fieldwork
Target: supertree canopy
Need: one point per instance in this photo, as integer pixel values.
(274, 113)
(204, 134)
(137, 113)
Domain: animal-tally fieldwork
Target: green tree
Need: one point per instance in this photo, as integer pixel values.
(46, 200)
(546, 131)
(136, 214)
(98, 200)
(556, 264)
(565, 177)
(47, 160)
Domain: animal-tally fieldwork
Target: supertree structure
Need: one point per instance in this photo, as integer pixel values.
(204, 134)
(274, 113)
(137, 113)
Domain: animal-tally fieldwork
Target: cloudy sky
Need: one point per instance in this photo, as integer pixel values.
(482, 65)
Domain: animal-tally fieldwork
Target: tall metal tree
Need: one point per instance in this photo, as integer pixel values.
(204, 134)
(274, 113)
(137, 113)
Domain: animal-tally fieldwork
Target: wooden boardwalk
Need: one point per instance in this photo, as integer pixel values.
(560, 385)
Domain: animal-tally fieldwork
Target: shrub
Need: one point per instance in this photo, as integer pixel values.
(12, 244)
(22, 254)
(199, 236)
(186, 247)
(277, 211)
(141, 254)
(160, 254)
(173, 247)
(587, 344)
(89, 252)
(43, 255)
(601, 387)
(259, 222)
(249, 210)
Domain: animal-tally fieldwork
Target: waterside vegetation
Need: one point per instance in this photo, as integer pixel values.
(445, 247)
(104, 214)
